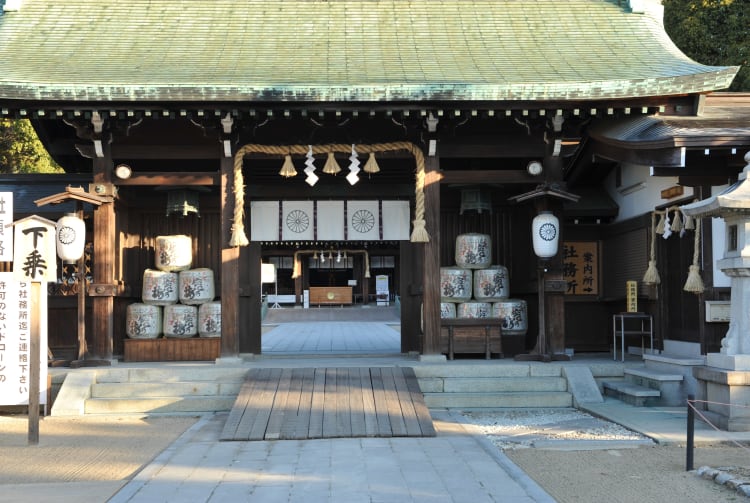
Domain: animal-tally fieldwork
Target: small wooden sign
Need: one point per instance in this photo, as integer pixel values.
(632, 296)
(581, 267)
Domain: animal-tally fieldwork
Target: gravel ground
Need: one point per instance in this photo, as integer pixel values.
(579, 458)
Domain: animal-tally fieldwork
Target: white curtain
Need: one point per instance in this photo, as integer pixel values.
(297, 220)
(330, 220)
(264, 220)
(395, 220)
(362, 221)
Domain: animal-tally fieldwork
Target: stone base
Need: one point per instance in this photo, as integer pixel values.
(727, 393)
(728, 362)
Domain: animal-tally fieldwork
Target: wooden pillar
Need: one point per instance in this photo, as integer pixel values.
(250, 299)
(104, 288)
(431, 264)
(555, 298)
(230, 271)
(365, 281)
(411, 281)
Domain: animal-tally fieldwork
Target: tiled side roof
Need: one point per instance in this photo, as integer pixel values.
(341, 50)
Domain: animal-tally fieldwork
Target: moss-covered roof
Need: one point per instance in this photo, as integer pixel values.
(342, 50)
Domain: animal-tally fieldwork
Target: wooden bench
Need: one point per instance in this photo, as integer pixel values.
(473, 336)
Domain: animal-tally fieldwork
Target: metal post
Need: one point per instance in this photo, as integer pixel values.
(690, 432)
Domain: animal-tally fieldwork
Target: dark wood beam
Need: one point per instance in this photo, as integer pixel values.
(124, 151)
(195, 178)
(499, 176)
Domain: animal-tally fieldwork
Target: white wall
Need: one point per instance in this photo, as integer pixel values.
(641, 200)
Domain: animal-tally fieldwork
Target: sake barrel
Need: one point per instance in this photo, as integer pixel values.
(473, 251)
(209, 319)
(196, 286)
(491, 284)
(159, 287)
(143, 321)
(180, 321)
(173, 253)
(447, 310)
(514, 314)
(469, 310)
(455, 284)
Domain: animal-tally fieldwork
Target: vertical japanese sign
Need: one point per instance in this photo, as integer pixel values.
(34, 251)
(15, 335)
(581, 267)
(6, 234)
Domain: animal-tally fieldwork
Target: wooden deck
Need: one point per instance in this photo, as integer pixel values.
(306, 403)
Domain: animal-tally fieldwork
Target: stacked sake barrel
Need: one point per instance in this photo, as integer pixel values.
(177, 301)
(475, 288)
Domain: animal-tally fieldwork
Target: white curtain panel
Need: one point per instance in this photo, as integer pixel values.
(395, 220)
(264, 220)
(297, 218)
(362, 220)
(330, 220)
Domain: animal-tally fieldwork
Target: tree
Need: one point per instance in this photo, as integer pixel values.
(712, 32)
(21, 151)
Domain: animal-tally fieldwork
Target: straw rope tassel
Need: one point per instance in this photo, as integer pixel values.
(676, 225)
(652, 274)
(297, 270)
(238, 238)
(694, 281)
(660, 225)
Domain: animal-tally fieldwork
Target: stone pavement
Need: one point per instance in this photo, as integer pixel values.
(455, 466)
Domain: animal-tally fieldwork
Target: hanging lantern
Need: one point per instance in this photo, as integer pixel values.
(70, 236)
(545, 233)
(182, 202)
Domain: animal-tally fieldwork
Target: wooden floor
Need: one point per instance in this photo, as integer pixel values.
(306, 403)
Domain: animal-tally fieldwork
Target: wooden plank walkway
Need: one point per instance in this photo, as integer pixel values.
(305, 403)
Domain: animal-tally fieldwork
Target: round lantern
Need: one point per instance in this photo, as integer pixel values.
(545, 232)
(70, 237)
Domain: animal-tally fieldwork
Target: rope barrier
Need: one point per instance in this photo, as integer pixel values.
(239, 237)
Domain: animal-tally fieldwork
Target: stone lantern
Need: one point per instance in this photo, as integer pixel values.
(726, 377)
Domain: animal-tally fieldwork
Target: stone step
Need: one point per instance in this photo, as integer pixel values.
(498, 400)
(653, 374)
(634, 394)
(188, 373)
(493, 385)
(167, 389)
(160, 405)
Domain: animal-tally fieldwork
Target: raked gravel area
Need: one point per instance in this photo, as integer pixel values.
(579, 458)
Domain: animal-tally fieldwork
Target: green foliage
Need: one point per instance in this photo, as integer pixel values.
(21, 151)
(712, 32)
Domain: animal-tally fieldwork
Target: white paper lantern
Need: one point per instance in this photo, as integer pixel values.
(70, 238)
(545, 232)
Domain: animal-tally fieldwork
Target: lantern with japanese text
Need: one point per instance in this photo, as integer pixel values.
(70, 238)
(545, 232)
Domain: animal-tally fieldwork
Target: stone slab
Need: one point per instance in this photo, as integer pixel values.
(728, 362)
(582, 385)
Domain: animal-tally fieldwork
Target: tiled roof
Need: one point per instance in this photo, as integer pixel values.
(342, 50)
(724, 121)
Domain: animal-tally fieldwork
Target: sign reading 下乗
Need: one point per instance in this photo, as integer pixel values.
(34, 251)
(15, 341)
(581, 267)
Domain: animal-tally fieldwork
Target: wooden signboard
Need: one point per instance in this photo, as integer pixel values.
(581, 267)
